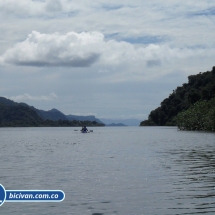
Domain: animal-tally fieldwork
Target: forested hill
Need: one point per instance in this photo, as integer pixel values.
(200, 87)
(13, 114)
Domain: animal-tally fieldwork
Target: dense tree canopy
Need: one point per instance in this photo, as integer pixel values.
(200, 87)
(200, 116)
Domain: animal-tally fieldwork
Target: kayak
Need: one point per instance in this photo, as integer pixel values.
(84, 132)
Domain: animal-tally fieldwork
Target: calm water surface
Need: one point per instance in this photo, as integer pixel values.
(126, 170)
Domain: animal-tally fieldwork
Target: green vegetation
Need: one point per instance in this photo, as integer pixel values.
(21, 115)
(196, 96)
(67, 123)
(200, 116)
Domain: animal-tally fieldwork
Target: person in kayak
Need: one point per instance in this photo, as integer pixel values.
(84, 129)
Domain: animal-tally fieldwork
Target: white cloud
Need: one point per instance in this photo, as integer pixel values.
(37, 7)
(172, 20)
(21, 7)
(129, 42)
(71, 49)
(86, 48)
(31, 8)
(27, 97)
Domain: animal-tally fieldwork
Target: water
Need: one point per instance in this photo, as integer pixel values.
(114, 170)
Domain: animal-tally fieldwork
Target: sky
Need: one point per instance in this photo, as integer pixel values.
(111, 59)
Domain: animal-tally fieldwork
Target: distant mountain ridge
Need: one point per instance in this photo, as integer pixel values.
(83, 118)
(53, 114)
(128, 122)
(116, 124)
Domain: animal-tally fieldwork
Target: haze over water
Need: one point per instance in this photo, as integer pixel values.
(113, 170)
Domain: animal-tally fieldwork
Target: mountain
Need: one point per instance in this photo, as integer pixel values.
(114, 124)
(200, 88)
(83, 118)
(7, 102)
(17, 115)
(21, 114)
(52, 114)
(129, 122)
(55, 114)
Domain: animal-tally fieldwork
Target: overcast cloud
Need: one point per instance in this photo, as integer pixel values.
(110, 58)
(26, 97)
(83, 49)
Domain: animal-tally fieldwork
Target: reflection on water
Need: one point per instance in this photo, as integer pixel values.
(193, 171)
(126, 171)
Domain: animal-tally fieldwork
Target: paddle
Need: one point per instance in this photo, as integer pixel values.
(87, 132)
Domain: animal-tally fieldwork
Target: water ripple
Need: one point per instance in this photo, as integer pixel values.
(129, 171)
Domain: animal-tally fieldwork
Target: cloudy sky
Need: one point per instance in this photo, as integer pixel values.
(113, 59)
